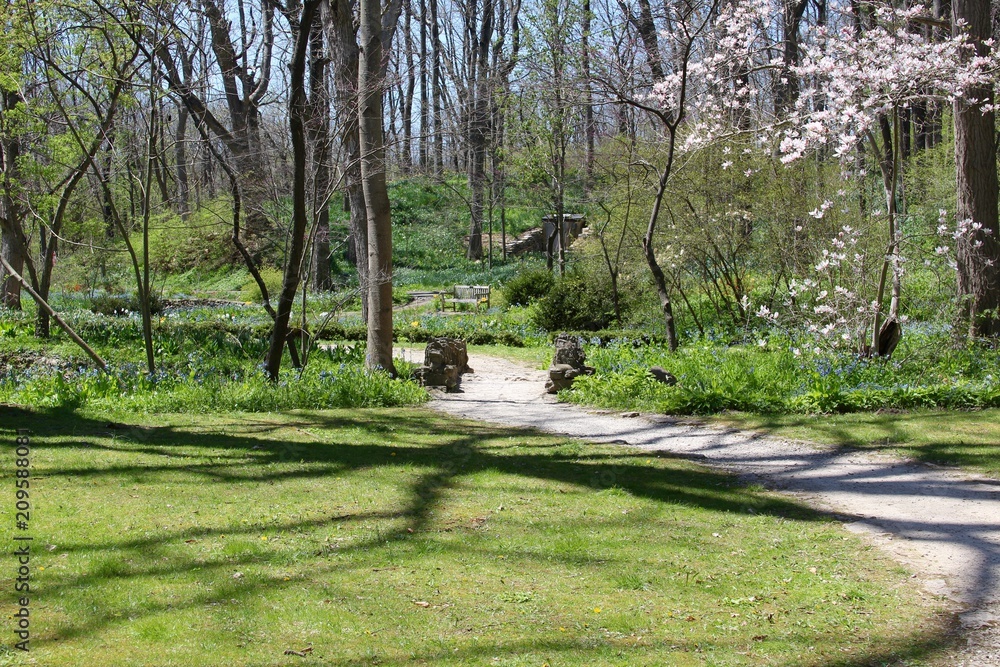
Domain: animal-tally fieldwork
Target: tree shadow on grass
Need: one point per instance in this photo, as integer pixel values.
(438, 451)
(889, 432)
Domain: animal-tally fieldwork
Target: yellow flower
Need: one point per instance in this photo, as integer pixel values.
(597, 610)
(415, 324)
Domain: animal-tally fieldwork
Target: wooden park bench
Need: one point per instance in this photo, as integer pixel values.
(474, 294)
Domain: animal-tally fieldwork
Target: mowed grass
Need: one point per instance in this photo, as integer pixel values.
(970, 440)
(403, 537)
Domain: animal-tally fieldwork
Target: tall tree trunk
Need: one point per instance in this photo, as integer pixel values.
(10, 291)
(976, 175)
(406, 98)
(12, 238)
(180, 151)
(479, 126)
(647, 31)
(649, 252)
(106, 164)
(589, 129)
(298, 113)
(787, 89)
(319, 138)
(344, 45)
(370, 85)
(180, 155)
(424, 96)
(437, 83)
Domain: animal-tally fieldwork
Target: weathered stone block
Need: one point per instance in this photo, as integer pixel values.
(445, 360)
(567, 363)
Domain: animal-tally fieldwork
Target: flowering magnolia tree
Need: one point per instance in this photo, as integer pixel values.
(712, 58)
(861, 76)
(719, 68)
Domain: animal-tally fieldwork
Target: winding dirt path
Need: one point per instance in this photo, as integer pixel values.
(944, 525)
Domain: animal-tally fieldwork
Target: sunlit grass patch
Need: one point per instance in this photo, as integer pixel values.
(970, 439)
(402, 537)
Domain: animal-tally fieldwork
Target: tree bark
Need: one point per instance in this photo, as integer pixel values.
(298, 113)
(10, 296)
(436, 85)
(787, 89)
(370, 86)
(342, 37)
(424, 96)
(479, 125)
(180, 150)
(13, 244)
(406, 98)
(589, 128)
(648, 251)
(647, 31)
(319, 138)
(978, 253)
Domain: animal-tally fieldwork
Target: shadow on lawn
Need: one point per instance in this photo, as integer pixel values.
(887, 431)
(463, 448)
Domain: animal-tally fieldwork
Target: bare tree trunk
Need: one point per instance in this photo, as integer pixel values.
(319, 138)
(298, 113)
(106, 204)
(659, 279)
(976, 175)
(10, 296)
(180, 155)
(424, 97)
(479, 125)
(143, 281)
(436, 85)
(180, 150)
(588, 103)
(647, 31)
(13, 247)
(344, 45)
(370, 84)
(787, 89)
(406, 98)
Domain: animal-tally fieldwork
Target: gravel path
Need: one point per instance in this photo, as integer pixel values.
(944, 525)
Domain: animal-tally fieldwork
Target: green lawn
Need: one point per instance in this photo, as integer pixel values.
(402, 537)
(944, 437)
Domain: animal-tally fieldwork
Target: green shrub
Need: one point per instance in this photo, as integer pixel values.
(272, 279)
(122, 304)
(330, 381)
(576, 303)
(202, 241)
(527, 287)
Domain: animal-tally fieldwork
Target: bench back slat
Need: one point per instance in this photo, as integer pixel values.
(472, 291)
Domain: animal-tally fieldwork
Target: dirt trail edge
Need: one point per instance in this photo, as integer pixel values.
(944, 525)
